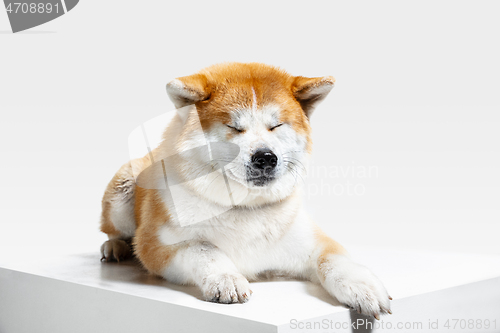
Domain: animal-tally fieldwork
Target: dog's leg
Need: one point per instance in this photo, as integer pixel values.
(117, 219)
(192, 262)
(352, 284)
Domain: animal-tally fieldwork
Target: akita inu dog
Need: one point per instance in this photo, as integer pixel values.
(252, 220)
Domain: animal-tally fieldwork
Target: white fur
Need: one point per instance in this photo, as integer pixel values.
(355, 286)
(122, 215)
(254, 100)
(219, 281)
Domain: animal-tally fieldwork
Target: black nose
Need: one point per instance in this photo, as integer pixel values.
(263, 159)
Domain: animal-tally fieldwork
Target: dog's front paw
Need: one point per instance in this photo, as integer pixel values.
(358, 288)
(226, 288)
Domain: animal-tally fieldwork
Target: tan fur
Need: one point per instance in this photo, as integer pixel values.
(106, 225)
(115, 190)
(150, 215)
(328, 247)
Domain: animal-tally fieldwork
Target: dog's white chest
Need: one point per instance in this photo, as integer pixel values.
(254, 239)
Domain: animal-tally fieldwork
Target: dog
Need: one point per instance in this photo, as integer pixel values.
(218, 202)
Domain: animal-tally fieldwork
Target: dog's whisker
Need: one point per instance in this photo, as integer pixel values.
(299, 164)
(293, 151)
(292, 168)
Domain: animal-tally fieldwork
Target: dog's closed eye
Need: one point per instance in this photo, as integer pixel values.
(272, 128)
(235, 128)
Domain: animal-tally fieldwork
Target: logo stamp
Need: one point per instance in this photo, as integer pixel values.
(24, 15)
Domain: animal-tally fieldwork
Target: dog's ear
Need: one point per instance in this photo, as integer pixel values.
(310, 91)
(188, 90)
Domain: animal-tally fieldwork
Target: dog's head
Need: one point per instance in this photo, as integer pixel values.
(262, 110)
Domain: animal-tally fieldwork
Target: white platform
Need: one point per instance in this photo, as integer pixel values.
(80, 294)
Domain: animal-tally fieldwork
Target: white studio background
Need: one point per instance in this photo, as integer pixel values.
(416, 100)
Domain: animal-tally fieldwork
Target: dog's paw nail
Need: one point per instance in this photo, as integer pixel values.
(376, 316)
(390, 298)
(384, 309)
